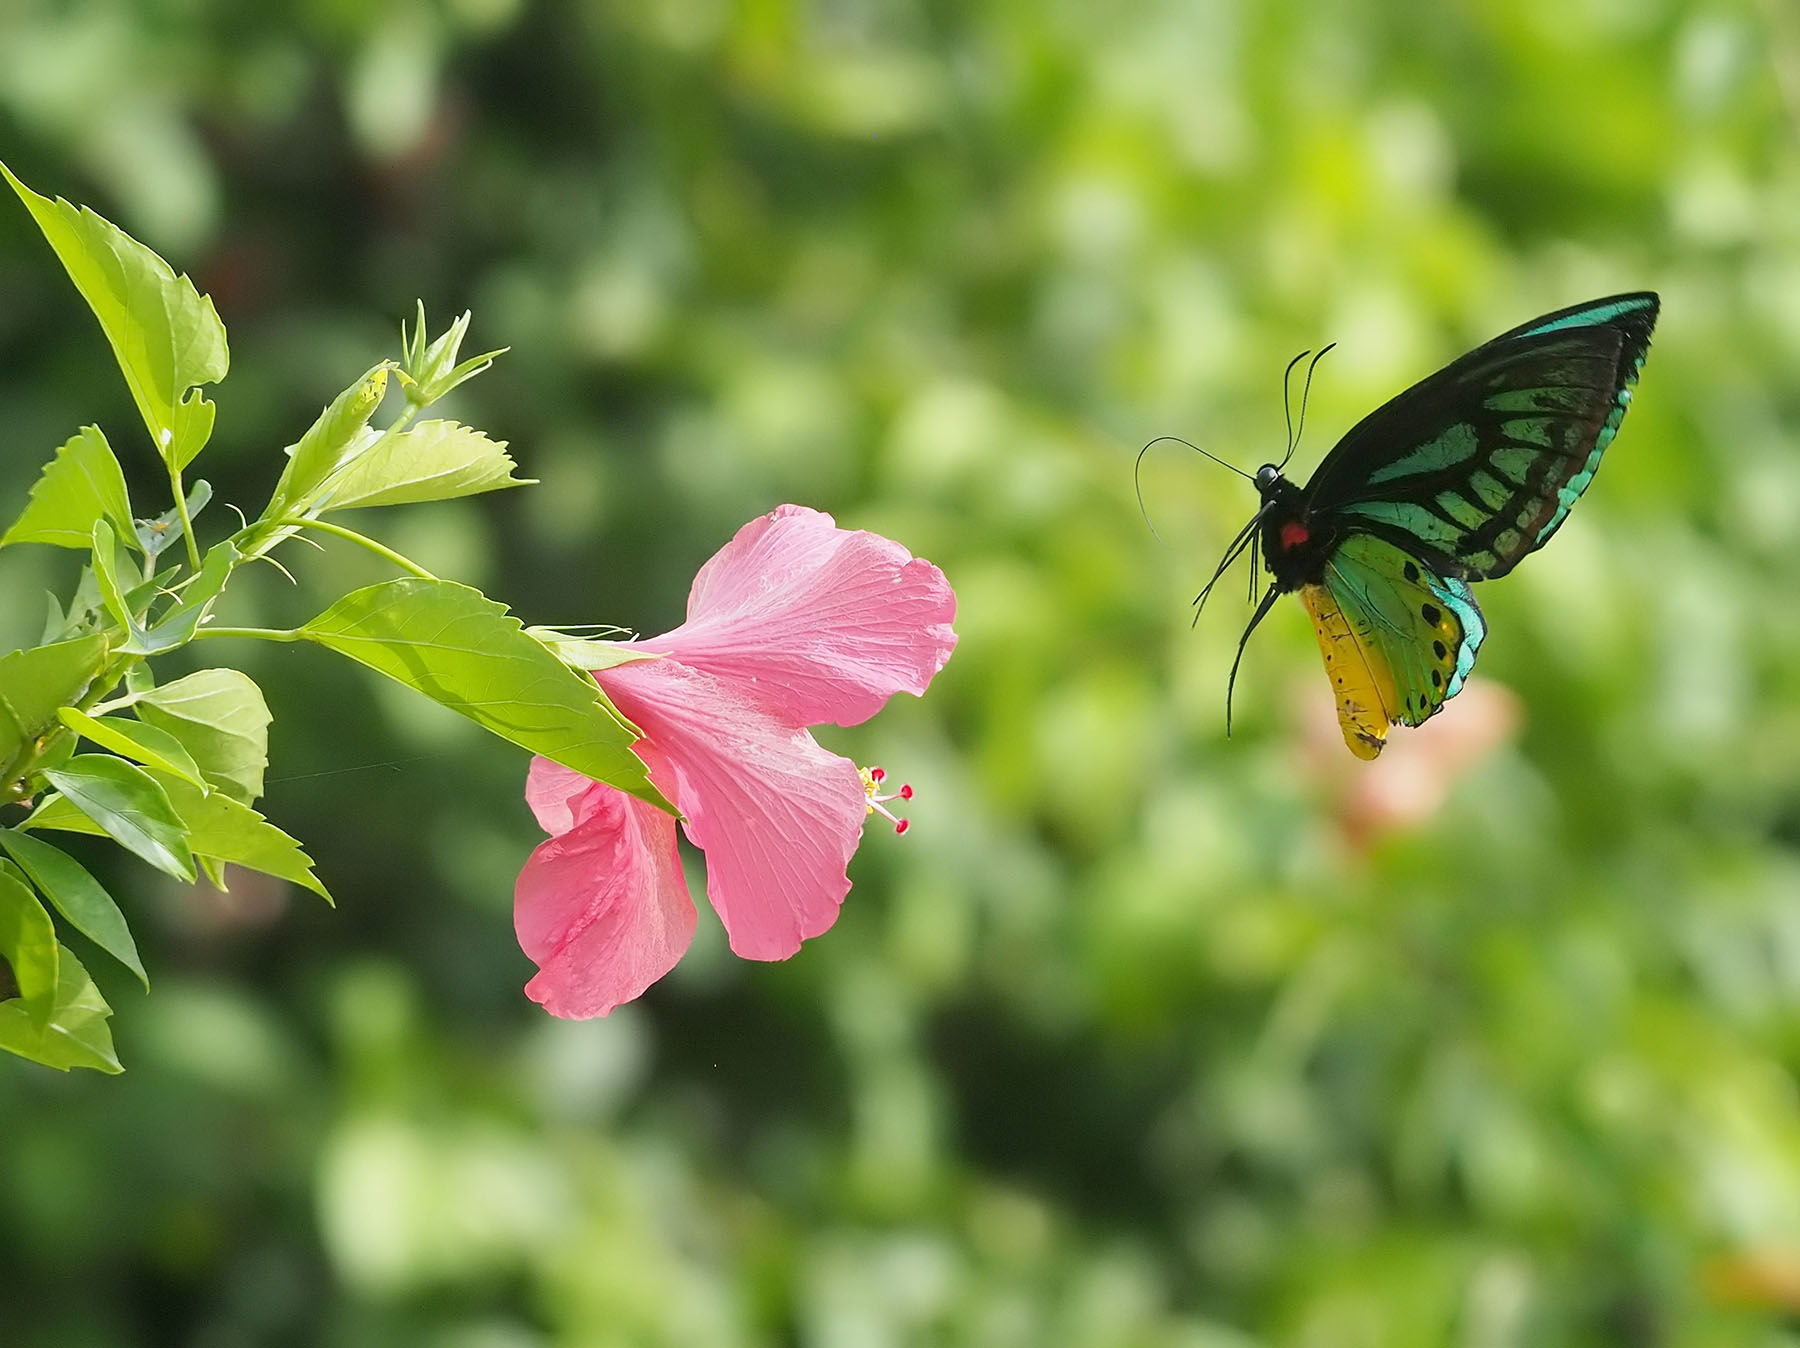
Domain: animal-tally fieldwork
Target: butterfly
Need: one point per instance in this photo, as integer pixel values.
(1453, 481)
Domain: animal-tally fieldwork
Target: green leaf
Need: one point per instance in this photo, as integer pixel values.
(166, 335)
(35, 682)
(76, 894)
(28, 941)
(130, 806)
(106, 575)
(147, 744)
(434, 461)
(220, 717)
(84, 605)
(463, 650)
(82, 484)
(220, 830)
(177, 626)
(335, 439)
(76, 1036)
(580, 653)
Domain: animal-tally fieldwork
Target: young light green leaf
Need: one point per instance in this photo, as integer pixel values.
(177, 626)
(429, 372)
(76, 1036)
(580, 653)
(434, 461)
(28, 943)
(335, 439)
(76, 894)
(463, 650)
(130, 807)
(220, 830)
(166, 335)
(106, 575)
(35, 682)
(220, 717)
(147, 744)
(82, 484)
(54, 621)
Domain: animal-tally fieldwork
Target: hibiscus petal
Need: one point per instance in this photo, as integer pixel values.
(826, 623)
(603, 909)
(555, 795)
(777, 816)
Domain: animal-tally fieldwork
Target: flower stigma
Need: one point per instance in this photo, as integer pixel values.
(872, 779)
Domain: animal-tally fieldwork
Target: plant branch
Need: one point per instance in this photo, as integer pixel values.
(362, 541)
(181, 510)
(254, 633)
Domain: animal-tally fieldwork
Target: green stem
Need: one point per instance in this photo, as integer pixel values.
(255, 633)
(14, 770)
(363, 541)
(187, 525)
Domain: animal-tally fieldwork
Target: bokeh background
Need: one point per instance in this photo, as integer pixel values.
(1140, 1038)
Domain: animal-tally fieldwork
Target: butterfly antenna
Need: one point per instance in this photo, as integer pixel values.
(1262, 611)
(1305, 394)
(1137, 474)
(1287, 400)
(1196, 448)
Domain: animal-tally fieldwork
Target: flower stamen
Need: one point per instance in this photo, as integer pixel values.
(872, 778)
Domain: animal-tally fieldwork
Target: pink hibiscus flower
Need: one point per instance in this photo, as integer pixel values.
(794, 623)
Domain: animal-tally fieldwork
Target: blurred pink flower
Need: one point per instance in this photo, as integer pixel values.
(1411, 780)
(794, 623)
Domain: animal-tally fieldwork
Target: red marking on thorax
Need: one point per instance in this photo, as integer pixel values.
(1293, 534)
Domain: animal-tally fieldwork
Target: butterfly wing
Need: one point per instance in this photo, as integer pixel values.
(1398, 639)
(1477, 465)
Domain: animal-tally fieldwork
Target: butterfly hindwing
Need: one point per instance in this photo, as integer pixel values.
(1477, 465)
(1398, 639)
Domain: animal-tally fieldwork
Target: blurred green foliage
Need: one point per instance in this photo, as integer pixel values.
(1140, 1037)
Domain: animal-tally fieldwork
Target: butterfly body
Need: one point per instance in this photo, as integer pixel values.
(1294, 549)
(1453, 481)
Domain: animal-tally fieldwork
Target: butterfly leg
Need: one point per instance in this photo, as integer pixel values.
(1262, 611)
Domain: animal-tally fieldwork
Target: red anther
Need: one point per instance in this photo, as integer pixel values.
(878, 774)
(905, 792)
(902, 825)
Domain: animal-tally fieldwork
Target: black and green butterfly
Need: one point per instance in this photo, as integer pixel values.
(1453, 481)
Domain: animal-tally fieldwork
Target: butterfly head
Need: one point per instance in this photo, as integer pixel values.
(1266, 478)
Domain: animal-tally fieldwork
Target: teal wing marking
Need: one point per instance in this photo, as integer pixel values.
(1588, 315)
(1427, 627)
(1477, 466)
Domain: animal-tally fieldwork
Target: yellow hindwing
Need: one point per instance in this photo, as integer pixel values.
(1359, 675)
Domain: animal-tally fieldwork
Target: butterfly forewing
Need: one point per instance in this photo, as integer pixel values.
(1476, 466)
